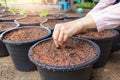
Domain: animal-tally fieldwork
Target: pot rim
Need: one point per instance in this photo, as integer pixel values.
(67, 68)
(24, 42)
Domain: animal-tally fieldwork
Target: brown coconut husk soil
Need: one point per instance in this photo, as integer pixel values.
(93, 33)
(73, 53)
(25, 34)
(51, 24)
(6, 26)
(11, 16)
(54, 16)
(30, 19)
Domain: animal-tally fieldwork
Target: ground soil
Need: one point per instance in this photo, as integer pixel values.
(6, 26)
(55, 16)
(51, 24)
(70, 54)
(93, 33)
(26, 34)
(31, 20)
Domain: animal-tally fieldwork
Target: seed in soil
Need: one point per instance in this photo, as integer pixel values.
(25, 34)
(73, 53)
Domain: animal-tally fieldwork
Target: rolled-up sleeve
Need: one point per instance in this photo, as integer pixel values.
(107, 18)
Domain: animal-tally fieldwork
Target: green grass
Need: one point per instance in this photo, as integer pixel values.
(85, 5)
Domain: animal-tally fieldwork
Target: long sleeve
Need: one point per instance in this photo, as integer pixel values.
(101, 5)
(107, 18)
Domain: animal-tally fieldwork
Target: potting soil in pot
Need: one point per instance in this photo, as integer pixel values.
(19, 40)
(25, 34)
(31, 20)
(6, 26)
(55, 16)
(51, 24)
(6, 13)
(105, 41)
(93, 33)
(73, 53)
(10, 16)
(3, 27)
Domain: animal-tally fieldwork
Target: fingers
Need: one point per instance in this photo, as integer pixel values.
(59, 35)
(56, 35)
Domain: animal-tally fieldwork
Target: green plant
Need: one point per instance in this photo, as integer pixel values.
(85, 5)
(14, 10)
(43, 13)
(22, 12)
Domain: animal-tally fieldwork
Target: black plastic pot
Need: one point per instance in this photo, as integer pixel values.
(105, 45)
(3, 49)
(11, 19)
(116, 45)
(75, 72)
(19, 50)
(28, 23)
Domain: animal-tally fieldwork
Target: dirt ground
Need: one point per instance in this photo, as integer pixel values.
(111, 71)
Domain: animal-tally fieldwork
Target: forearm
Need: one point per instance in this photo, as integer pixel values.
(83, 23)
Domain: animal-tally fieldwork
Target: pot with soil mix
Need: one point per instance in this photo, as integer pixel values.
(105, 41)
(3, 27)
(74, 61)
(11, 18)
(55, 17)
(30, 20)
(116, 45)
(51, 23)
(18, 41)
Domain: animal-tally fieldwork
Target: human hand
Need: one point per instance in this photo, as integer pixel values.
(63, 31)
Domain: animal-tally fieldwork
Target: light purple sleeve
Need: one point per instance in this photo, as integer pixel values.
(101, 5)
(106, 17)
